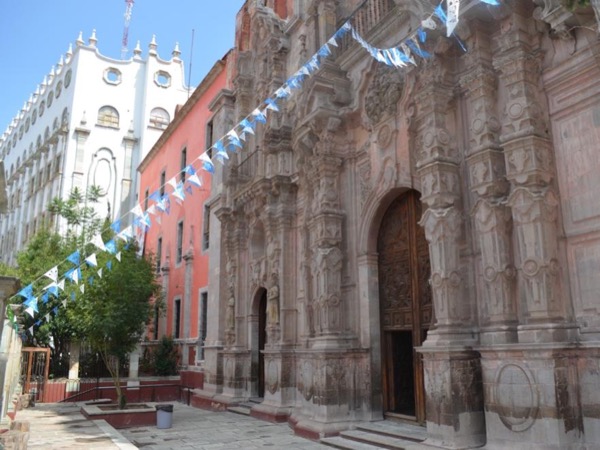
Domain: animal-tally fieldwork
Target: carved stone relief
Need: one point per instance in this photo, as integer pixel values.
(517, 397)
(384, 93)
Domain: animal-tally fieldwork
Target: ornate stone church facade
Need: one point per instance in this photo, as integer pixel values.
(419, 244)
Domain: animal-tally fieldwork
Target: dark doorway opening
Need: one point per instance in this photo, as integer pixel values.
(262, 338)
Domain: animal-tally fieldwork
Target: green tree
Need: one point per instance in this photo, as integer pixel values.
(113, 313)
(165, 357)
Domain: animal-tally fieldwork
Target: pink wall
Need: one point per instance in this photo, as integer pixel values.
(187, 130)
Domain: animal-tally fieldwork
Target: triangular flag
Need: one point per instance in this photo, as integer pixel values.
(26, 292)
(178, 192)
(61, 284)
(452, 17)
(73, 296)
(91, 260)
(429, 23)
(207, 163)
(248, 126)
(155, 196)
(100, 272)
(109, 265)
(91, 281)
(324, 51)
(118, 256)
(82, 288)
(172, 182)
(126, 234)
(30, 329)
(332, 41)
(116, 226)
(195, 180)
(111, 246)
(98, 242)
(52, 273)
(47, 317)
(64, 302)
(259, 116)
(137, 210)
(272, 105)
(45, 298)
(73, 258)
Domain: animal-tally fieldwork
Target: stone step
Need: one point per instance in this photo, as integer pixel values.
(346, 444)
(398, 430)
(239, 410)
(376, 440)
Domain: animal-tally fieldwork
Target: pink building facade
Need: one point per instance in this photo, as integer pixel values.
(179, 236)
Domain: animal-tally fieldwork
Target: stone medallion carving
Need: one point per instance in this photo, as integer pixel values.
(384, 93)
(516, 397)
(272, 377)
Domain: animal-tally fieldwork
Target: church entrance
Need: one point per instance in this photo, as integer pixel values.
(405, 306)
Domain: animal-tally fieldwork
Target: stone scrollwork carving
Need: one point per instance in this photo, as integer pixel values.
(384, 93)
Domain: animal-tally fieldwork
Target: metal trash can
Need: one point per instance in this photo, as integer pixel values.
(164, 416)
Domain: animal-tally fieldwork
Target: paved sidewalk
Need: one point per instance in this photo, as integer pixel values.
(61, 426)
(57, 426)
(195, 428)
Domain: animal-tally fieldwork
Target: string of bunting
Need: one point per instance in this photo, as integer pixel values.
(409, 51)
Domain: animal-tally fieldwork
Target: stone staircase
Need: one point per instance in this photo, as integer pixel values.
(245, 407)
(377, 435)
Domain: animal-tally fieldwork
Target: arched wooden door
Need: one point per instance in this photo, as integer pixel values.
(405, 306)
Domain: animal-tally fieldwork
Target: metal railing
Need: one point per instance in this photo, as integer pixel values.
(97, 389)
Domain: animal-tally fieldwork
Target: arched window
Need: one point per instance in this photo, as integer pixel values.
(108, 117)
(159, 118)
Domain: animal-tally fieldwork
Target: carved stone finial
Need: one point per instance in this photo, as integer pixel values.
(79, 41)
(152, 46)
(176, 52)
(92, 41)
(137, 51)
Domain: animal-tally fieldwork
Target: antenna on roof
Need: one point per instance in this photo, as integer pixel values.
(128, 10)
(189, 84)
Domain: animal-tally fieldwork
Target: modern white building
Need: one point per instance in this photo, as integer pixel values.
(90, 122)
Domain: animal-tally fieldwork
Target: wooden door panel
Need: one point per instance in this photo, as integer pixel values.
(405, 304)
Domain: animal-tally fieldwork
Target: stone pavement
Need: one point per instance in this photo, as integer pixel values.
(61, 426)
(57, 426)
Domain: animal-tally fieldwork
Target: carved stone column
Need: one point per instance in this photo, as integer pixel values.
(438, 169)
(530, 170)
(487, 177)
(326, 236)
(454, 400)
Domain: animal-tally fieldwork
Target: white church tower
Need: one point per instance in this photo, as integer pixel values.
(90, 122)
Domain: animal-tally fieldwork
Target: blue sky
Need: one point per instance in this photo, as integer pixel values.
(35, 33)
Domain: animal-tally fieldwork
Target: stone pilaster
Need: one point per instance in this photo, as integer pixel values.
(487, 179)
(437, 167)
(81, 135)
(454, 403)
(528, 155)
